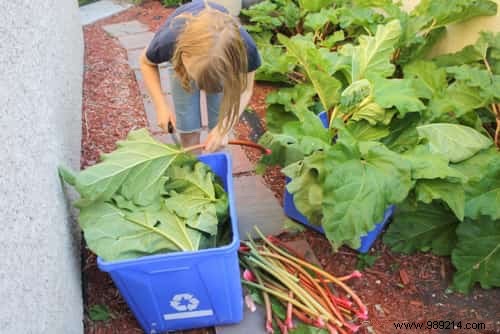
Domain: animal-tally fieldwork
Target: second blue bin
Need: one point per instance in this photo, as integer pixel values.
(185, 290)
(292, 212)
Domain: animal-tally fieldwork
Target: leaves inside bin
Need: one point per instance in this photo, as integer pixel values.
(146, 198)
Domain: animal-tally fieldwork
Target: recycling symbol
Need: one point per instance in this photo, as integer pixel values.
(184, 302)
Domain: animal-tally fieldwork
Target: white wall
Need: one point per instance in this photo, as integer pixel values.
(41, 64)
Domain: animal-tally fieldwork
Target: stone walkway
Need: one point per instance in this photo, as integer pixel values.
(256, 204)
(101, 9)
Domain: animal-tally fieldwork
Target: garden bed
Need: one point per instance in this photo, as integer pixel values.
(396, 288)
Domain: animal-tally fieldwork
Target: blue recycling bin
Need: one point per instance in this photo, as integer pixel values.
(292, 212)
(184, 290)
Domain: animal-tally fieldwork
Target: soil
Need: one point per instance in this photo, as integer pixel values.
(397, 288)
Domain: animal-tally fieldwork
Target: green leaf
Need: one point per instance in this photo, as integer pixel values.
(360, 187)
(67, 175)
(315, 5)
(116, 234)
(373, 55)
(454, 11)
(430, 80)
(464, 98)
(456, 142)
(277, 116)
(291, 226)
(297, 99)
(366, 261)
(306, 183)
(486, 47)
(484, 197)
(358, 20)
(397, 93)
(317, 66)
(403, 134)
(275, 64)
(98, 312)
(474, 168)
(196, 202)
(477, 254)
(427, 165)
(364, 131)
(422, 227)
(452, 194)
(135, 167)
(316, 21)
(333, 39)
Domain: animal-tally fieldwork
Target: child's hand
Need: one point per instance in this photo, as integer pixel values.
(215, 140)
(163, 117)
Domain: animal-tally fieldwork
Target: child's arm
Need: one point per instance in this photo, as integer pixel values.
(151, 77)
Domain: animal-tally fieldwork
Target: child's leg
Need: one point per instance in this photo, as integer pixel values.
(187, 110)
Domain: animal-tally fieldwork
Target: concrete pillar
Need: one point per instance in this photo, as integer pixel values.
(41, 65)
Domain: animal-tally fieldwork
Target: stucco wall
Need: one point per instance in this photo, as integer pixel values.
(460, 35)
(41, 64)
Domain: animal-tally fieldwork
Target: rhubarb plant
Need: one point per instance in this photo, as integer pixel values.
(147, 198)
(399, 128)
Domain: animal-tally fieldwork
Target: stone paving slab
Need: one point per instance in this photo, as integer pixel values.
(256, 205)
(241, 164)
(136, 41)
(125, 28)
(133, 58)
(99, 10)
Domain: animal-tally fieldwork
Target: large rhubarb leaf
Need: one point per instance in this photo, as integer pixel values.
(360, 186)
(315, 5)
(116, 234)
(191, 196)
(135, 168)
(454, 141)
(484, 197)
(397, 93)
(403, 134)
(487, 47)
(429, 80)
(475, 167)
(373, 55)
(477, 254)
(297, 140)
(306, 185)
(317, 65)
(427, 165)
(454, 11)
(422, 227)
(297, 100)
(451, 193)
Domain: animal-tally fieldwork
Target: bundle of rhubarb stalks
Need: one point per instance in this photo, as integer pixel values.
(294, 291)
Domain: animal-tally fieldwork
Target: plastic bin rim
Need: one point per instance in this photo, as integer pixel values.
(229, 248)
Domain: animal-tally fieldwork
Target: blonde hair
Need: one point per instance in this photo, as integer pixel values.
(218, 54)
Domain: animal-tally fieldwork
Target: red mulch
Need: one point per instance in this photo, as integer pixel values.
(397, 288)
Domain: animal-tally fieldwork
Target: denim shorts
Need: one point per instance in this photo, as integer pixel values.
(187, 105)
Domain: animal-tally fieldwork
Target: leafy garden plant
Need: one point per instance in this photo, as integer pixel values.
(402, 129)
(147, 198)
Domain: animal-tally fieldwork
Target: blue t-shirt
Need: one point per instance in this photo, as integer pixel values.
(162, 47)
